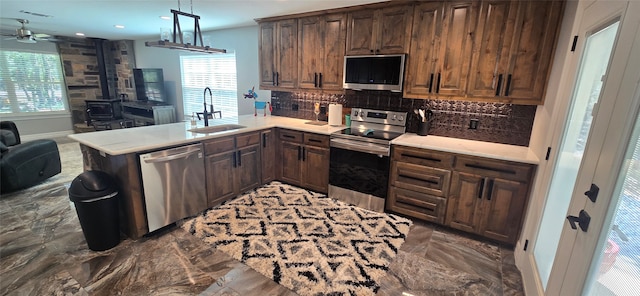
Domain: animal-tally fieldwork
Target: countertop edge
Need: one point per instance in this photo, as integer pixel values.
(497, 151)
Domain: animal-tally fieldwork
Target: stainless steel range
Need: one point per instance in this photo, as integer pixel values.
(359, 163)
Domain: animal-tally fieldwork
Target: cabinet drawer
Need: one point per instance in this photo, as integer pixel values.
(290, 136)
(494, 168)
(434, 181)
(216, 146)
(249, 139)
(423, 157)
(417, 204)
(316, 140)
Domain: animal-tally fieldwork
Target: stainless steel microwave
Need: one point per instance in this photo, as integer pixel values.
(376, 72)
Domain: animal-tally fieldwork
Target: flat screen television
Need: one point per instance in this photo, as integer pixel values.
(149, 85)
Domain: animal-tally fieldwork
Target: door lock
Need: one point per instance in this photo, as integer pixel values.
(592, 194)
(583, 220)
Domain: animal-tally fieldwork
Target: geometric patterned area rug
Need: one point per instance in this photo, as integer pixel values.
(303, 240)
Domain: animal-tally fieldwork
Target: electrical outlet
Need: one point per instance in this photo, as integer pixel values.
(473, 124)
(294, 107)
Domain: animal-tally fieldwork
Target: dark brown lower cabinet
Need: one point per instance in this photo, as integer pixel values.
(304, 159)
(473, 194)
(232, 166)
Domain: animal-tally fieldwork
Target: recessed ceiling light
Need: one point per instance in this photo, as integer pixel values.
(79, 34)
(119, 26)
(164, 17)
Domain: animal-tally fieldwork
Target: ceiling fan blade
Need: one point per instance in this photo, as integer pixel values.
(41, 35)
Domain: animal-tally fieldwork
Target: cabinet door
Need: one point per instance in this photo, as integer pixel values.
(465, 198)
(287, 55)
(315, 170)
(247, 171)
(492, 45)
(268, 155)
(220, 177)
(421, 72)
(290, 155)
(360, 32)
(310, 50)
(332, 60)
(267, 54)
(393, 30)
(503, 209)
(456, 47)
(532, 52)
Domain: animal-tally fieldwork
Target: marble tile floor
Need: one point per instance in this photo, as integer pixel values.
(43, 252)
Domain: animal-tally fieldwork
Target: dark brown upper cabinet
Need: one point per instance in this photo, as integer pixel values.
(379, 31)
(278, 54)
(321, 47)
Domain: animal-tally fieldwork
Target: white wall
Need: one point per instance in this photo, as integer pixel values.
(244, 41)
(37, 125)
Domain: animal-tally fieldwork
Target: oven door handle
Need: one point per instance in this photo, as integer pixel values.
(369, 148)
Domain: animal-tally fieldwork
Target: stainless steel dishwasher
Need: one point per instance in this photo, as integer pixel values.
(174, 184)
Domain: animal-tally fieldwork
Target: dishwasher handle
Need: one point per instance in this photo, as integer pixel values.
(172, 157)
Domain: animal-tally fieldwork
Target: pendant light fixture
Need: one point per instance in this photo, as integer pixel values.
(177, 41)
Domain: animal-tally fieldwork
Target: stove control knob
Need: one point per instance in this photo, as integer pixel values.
(401, 118)
(395, 117)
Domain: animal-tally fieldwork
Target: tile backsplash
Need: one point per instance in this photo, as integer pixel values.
(497, 122)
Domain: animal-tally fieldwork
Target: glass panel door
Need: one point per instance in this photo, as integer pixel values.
(586, 93)
(616, 270)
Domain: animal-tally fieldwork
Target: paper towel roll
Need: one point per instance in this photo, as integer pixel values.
(335, 114)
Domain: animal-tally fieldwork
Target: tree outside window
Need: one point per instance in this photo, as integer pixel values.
(31, 82)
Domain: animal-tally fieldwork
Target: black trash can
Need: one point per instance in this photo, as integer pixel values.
(95, 196)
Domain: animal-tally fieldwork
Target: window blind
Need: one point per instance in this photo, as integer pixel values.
(216, 71)
(31, 82)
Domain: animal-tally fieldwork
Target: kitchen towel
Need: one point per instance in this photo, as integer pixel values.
(335, 114)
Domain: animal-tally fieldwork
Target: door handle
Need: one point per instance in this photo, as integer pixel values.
(273, 78)
(239, 158)
(490, 189)
(499, 85)
(481, 189)
(431, 83)
(303, 153)
(592, 194)
(233, 159)
(438, 84)
(583, 220)
(506, 89)
(320, 80)
(299, 152)
(315, 79)
(264, 140)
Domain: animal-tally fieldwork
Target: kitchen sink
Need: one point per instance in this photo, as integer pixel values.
(216, 128)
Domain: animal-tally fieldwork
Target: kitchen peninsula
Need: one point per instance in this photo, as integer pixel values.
(116, 152)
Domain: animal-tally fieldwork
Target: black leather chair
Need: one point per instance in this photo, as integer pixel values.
(25, 164)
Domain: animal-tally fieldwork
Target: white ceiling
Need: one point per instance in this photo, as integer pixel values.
(141, 18)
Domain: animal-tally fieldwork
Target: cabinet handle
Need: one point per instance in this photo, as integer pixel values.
(506, 89)
(490, 190)
(320, 80)
(425, 158)
(273, 78)
(438, 85)
(377, 51)
(481, 189)
(315, 140)
(315, 79)
(239, 158)
(233, 158)
(277, 78)
(477, 166)
(264, 140)
(499, 85)
(299, 152)
(371, 51)
(431, 83)
(418, 179)
(288, 136)
(304, 158)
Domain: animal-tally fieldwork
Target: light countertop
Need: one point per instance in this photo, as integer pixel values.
(469, 147)
(131, 140)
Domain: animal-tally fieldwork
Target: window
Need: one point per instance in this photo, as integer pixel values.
(216, 71)
(31, 82)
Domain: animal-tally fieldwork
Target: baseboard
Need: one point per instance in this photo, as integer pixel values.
(52, 136)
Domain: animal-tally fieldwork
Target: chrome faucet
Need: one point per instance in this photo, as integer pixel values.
(206, 113)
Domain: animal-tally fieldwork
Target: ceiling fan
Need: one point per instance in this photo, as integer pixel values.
(25, 35)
